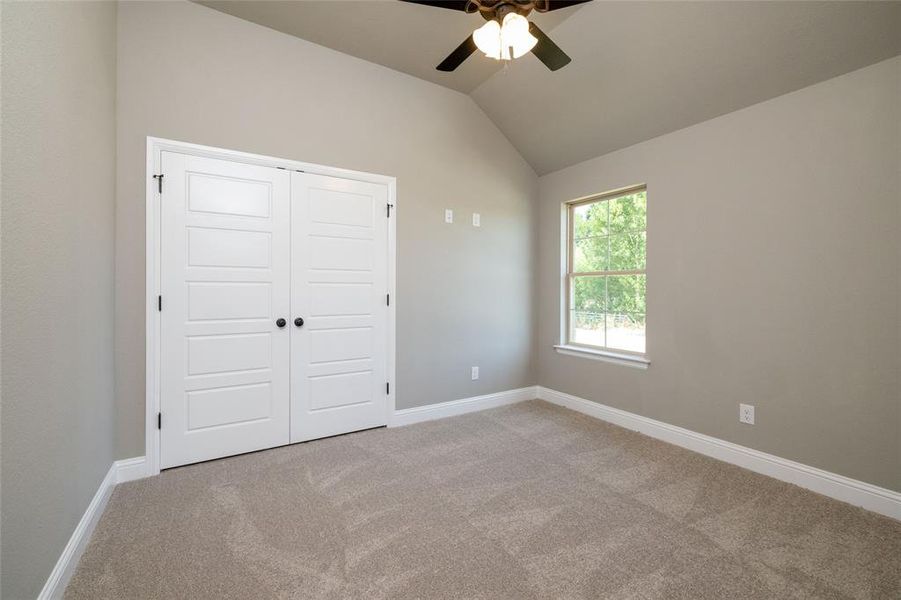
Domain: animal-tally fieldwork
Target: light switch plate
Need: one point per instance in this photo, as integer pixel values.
(475, 373)
(476, 220)
(448, 215)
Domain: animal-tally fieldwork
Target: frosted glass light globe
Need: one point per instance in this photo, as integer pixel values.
(505, 42)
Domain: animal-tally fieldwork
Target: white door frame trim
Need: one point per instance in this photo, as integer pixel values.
(155, 148)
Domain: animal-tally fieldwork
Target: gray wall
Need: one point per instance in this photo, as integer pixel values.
(190, 73)
(58, 178)
(773, 276)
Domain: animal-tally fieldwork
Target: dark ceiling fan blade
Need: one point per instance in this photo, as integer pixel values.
(449, 4)
(456, 58)
(549, 5)
(547, 51)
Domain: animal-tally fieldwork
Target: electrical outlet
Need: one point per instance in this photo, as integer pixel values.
(448, 215)
(746, 413)
(475, 373)
(476, 220)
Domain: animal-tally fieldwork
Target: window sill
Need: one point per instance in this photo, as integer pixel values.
(629, 360)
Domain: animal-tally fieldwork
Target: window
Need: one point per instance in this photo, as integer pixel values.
(605, 272)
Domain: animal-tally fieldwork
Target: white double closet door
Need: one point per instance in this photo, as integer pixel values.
(273, 316)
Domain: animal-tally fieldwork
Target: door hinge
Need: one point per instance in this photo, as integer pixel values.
(387, 387)
(387, 299)
(159, 420)
(390, 206)
(159, 303)
(159, 182)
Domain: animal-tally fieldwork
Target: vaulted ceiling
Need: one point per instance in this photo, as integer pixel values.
(640, 69)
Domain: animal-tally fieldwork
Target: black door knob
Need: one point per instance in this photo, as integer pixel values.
(298, 322)
(281, 322)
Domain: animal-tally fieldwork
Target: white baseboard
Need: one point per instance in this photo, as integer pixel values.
(68, 560)
(120, 471)
(879, 500)
(408, 416)
(129, 469)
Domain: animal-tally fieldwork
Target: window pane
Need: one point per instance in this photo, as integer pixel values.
(608, 311)
(589, 294)
(626, 332)
(587, 316)
(628, 213)
(590, 254)
(590, 220)
(626, 294)
(587, 329)
(627, 251)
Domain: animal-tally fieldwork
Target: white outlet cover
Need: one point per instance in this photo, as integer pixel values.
(448, 215)
(476, 220)
(475, 373)
(746, 413)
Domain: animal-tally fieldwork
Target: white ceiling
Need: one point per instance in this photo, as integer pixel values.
(640, 69)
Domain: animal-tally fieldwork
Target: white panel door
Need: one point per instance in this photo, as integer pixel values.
(225, 282)
(339, 285)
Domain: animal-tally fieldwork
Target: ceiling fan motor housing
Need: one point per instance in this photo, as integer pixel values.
(498, 9)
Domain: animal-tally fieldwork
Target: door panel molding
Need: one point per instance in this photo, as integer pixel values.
(327, 398)
(247, 210)
(206, 413)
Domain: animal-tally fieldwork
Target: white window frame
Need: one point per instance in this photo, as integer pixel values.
(566, 346)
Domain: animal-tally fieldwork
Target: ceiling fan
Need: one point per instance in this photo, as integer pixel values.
(508, 34)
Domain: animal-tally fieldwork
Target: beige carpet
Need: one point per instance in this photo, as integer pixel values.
(526, 501)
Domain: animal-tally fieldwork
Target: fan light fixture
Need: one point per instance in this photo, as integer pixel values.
(507, 32)
(505, 42)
